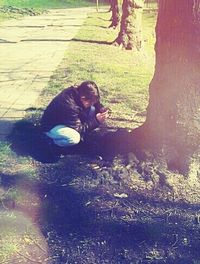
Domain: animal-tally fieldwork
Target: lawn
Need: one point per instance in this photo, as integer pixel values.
(89, 209)
(17, 9)
(45, 4)
(123, 77)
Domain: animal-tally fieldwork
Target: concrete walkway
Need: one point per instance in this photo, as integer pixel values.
(30, 50)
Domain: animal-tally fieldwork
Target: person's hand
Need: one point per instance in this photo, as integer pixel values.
(105, 109)
(101, 117)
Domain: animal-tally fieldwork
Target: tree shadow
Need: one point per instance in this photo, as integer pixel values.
(101, 18)
(4, 41)
(76, 232)
(79, 230)
(102, 26)
(45, 40)
(25, 26)
(93, 41)
(71, 222)
(67, 223)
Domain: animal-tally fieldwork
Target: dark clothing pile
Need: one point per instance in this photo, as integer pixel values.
(66, 109)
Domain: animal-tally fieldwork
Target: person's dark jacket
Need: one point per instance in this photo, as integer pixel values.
(66, 109)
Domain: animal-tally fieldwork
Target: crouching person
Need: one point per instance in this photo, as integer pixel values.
(72, 114)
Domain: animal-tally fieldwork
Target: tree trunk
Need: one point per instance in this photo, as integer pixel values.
(110, 9)
(130, 36)
(115, 14)
(97, 5)
(172, 125)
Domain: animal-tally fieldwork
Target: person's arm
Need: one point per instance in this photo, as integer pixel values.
(98, 106)
(74, 121)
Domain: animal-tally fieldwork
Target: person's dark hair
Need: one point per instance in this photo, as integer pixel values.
(89, 90)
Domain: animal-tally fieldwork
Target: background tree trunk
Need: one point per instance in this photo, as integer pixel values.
(115, 13)
(172, 125)
(97, 5)
(130, 36)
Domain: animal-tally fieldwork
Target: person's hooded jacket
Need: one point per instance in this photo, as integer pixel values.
(66, 109)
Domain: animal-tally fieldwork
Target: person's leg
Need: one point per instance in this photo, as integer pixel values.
(64, 136)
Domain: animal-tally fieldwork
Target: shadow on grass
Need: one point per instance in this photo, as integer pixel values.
(3, 41)
(43, 40)
(79, 231)
(93, 41)
(84, 235)
(87, 224)
(75, 233)
(97, 236)
(103, 19)
(27, 139)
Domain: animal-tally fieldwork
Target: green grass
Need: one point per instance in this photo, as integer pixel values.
(45, 3)
(37, 5)
(123, 76)
(10, 163)
(19, 239)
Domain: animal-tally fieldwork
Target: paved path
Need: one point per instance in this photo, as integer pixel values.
(30, 50)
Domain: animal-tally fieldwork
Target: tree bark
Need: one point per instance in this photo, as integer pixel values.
(130, 36)
(172, 126)
(115, 13)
